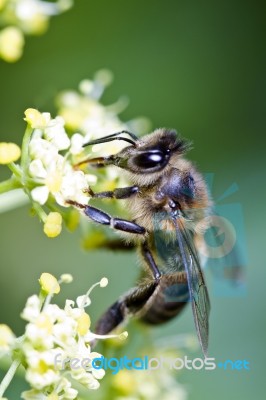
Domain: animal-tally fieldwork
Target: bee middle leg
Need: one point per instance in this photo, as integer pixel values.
(148, 258)
(103, 218)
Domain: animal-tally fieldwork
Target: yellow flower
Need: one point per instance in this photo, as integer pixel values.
(9, 152)
(53, 224)
(49, 283)
(11, 44)
(34, 118)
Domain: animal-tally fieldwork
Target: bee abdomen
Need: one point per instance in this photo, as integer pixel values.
(161, 312)
(168, 301)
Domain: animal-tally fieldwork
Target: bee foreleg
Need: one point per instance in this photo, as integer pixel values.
(148, 258)
(103, 218)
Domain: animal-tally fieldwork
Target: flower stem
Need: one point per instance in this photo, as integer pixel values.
(39, 211)
(15, 169)
(25, 150)
(8, 377)
(9, 184)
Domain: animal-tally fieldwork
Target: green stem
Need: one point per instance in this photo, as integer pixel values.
(39, 211)
(9, 184)
(15, 169)
(25, 150)
(8, 377)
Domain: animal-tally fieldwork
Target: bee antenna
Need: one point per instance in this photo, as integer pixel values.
(105, 140)
(112, 137)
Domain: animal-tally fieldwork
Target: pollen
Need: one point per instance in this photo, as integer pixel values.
(9, 152)
(84, 323)
(49, 283)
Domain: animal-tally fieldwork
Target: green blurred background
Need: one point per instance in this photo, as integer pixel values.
(197, 66)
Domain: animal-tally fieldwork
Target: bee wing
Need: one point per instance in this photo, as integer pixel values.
(196, 284)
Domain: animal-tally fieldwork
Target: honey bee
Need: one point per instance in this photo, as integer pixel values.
(169, 203)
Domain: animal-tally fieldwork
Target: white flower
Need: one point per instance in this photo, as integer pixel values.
(33, 394)
(32, 309)
(77, 142)
(60, 180)
(42, 150)
(64, 332)
(53, 339)
(37, 169)
(41, 372)
(6, 339)
(62, 391)
(39, 332)
(85, 378)
(55, 133)
(40, 194)
(73, 186)
(65, 390)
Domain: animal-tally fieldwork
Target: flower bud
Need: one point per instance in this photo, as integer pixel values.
(34, 118)
(9, 152)
(11, 43)
(49, 283)
(103, 282)
(66, 278)
(53, 224)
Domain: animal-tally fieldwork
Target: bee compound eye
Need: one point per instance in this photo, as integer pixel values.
(149, 159)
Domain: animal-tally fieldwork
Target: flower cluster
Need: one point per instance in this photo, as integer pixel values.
(51, 171)
(54, 333)
(83, 111)
(25, 17)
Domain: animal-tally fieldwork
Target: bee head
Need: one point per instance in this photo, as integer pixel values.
(151, 153)
(148, 156)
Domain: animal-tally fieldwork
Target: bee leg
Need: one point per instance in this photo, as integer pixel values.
(116, 245)
(131, 303)
(148, 258)
(103, 218)
(119, 193)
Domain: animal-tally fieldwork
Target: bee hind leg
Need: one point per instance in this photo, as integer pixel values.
(131, 303)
